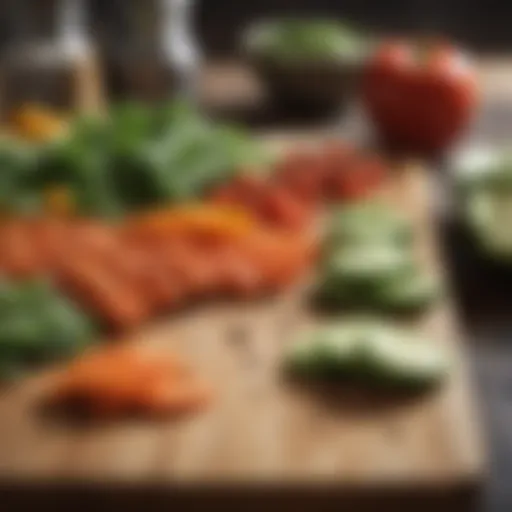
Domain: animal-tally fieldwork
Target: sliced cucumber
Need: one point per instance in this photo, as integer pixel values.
(385, 278)
(374, 352)
(364, 264)
(404, 361)
(369, 262)
(325, 352)
(368, 223)
(410, 292)
(489, 215)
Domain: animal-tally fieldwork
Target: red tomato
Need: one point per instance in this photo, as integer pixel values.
(419, 100)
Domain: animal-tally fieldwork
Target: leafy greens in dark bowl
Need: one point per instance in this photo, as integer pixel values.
(311, 64)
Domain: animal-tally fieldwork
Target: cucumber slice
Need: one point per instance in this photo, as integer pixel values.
(368, 351)
(369, 223)
(362, 265)
(330, 351)
(477, 167)
(489, 215)
(374, 279)
(412, 291)
(393, 359)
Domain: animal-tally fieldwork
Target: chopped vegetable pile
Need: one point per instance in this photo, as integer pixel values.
(374, 352)
(136, 157)
(304, 180)
(124, 218)
(124, 274)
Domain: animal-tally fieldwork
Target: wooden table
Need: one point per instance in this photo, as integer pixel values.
(265, 442)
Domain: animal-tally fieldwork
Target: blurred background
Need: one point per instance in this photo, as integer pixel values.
(482, 24)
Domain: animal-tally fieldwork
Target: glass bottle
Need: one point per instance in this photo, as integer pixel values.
(49, 62)
(149, 49)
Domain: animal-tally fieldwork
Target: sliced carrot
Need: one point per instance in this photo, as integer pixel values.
(177, 397)
(238, 275)
(115, 301)
(197, 221)
(123, 380)
(19, 258)
(196, 271)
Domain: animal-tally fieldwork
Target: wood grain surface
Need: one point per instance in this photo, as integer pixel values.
(264, 432)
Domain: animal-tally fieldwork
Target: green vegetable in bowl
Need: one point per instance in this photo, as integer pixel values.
(485, 196)
(298, 40)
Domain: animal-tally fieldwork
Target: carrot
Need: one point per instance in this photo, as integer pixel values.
(176, 397)
(51, 237)
(19, 258)
(281, 257)
(164, 286)
(113, 300)
(196, 271)
(238, 275)
(112, 382)
(95, 238)
(195, 221)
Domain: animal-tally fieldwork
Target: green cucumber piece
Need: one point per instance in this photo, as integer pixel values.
(398, 360)
(358, 278)
(373, 352)
(325, 352)
(361, 265)
(368, 223)
(412, 291)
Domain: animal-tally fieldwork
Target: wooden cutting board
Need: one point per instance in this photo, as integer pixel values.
(262, 432)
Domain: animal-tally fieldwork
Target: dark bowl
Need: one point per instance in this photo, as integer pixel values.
(321, 79)
(309, 86)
